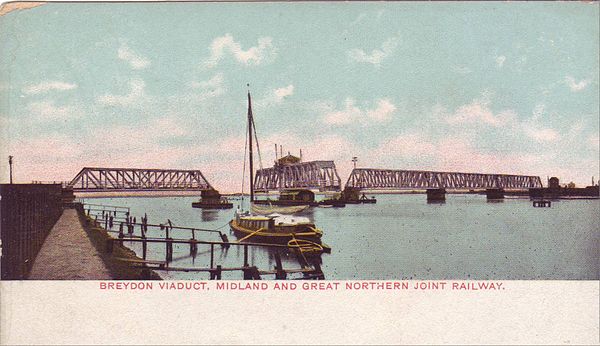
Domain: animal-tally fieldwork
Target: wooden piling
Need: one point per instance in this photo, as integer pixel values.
(218, 272)
(169, 249)
(251, 273)
(225, 240)
(121, 236)
(280, 273)
(144, 248)
(193, 247)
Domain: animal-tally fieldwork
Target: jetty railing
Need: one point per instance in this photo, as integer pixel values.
(120, 222)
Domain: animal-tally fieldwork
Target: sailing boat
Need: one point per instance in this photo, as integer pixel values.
(298, 232)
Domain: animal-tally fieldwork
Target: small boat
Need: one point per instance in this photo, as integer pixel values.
(298, 232)
(212, 199)
(292, 197)
(270, 209)
(365, 199)
(334, 200)
(274, 228)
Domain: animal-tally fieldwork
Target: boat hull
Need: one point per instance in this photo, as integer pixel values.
(272, 237)
(287, 203)
(212, 205)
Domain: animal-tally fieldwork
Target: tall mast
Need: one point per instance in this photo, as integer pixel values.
(250, 124)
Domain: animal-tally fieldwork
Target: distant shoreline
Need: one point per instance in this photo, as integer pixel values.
(123, 194)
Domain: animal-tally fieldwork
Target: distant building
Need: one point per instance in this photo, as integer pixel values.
(554, 183)
(289, 160)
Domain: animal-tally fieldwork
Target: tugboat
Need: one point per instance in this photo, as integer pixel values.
(212, 199)
(298, 232)
(333, 202)
(350, 195)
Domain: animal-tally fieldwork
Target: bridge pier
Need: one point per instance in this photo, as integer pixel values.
(494, 194)
(436, 195)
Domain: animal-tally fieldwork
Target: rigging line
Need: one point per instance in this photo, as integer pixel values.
(257, 146)
(244, 169)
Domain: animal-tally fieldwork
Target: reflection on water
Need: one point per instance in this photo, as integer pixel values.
(209, 215)
(404, 237)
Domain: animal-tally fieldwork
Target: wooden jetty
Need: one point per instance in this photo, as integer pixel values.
(309, 266)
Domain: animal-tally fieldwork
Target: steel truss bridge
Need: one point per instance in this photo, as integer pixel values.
(388, 179)
(127, 179)
(320, 175)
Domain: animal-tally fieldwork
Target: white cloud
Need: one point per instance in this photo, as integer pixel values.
(46, 86)
(540, 134)
(137, 87)
(410, 144)
(478, 112)
(419, 151)
(351, 113)
(533, 129)
(47, 110)
(274, 97)
(213, 87)
(284, 92)
(137, 62)
(575, 85)
(500, 61)
(384, 111)
(377, 55)
(262, 53)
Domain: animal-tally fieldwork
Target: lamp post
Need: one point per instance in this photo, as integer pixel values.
(10, 167)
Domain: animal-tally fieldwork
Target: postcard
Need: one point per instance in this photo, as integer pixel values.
(299, 172)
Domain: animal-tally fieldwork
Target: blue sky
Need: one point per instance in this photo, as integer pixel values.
(478, 87)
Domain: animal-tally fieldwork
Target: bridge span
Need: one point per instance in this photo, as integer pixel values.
(95, 179)
(391, 179)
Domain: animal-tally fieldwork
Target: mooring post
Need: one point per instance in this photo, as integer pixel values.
(225, 240)
(218, 272)
(318, 271)
(245, 255)
(144, 247)
(212, 255)
(169, 250)
(280, 273)
(121, 235)
(193, 247)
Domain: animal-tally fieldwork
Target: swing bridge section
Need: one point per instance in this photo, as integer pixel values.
(317, 175)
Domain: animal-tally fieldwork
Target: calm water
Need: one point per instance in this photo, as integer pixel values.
(403, 237)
